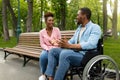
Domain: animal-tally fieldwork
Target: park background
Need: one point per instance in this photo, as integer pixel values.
(27, 16)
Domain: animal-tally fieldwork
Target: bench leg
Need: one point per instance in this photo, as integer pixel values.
(18, 55)
(26, 60)
(6, 55)
(80, 76)
(71, 75)
(66, 77)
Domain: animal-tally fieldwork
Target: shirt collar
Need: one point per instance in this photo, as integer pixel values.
(89, 23)
(86, 24)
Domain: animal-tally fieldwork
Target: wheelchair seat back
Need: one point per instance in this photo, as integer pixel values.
(92, 53)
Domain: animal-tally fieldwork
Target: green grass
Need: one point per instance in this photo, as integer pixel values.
(11, 43)
(112, 49)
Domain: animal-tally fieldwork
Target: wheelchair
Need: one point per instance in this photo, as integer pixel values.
(95, 66)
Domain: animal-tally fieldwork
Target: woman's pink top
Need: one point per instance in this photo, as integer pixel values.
(45, 39)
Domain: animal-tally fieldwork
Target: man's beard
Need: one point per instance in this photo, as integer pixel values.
(79, 22)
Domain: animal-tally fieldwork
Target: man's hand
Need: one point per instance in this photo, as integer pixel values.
(64, 43)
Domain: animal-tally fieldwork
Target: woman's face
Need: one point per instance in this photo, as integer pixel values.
(50, 22)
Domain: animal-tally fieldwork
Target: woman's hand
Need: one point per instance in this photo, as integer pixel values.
(54, 42)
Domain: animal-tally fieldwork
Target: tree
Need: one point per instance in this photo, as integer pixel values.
(113, 18)
(72, 9)
(41, 13)
(60, 7)
(14, 18)
(63, 14)
(1, 28)
(114, 21)
(105, 20)
(4, 20)
(29, 16)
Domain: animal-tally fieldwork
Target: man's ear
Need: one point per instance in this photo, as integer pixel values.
(84, 17)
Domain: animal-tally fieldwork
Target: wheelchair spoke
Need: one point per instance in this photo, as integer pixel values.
(107, 73)
(101, 68)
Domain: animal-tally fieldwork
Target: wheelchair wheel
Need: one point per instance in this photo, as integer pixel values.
(101, 67)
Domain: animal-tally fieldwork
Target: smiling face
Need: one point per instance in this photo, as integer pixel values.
(80, 17)
(49, 22)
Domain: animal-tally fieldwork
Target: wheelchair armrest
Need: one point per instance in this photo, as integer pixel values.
(95, 49)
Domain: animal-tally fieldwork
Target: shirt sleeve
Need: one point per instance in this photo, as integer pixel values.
(72, 40)
(42, 44)
(93, 39)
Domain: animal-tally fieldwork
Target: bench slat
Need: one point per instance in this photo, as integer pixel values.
(23, 52)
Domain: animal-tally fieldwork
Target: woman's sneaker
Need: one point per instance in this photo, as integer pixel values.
(43, 77)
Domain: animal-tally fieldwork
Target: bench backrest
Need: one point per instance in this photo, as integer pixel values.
(32, 38)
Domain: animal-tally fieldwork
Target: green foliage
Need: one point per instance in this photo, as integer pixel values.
(60, 11)
(72, 9)
(23, 14)
(37, 13)
(55, 6)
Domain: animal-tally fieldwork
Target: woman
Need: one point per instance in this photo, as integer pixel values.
(49, 37)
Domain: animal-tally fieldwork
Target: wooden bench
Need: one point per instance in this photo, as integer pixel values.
(29, 45)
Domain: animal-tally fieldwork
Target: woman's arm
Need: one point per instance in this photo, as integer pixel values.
(42, 44)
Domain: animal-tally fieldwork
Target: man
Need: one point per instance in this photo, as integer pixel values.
(85, 37)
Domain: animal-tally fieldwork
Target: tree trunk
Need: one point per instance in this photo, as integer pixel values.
(14, 19)
(114, 21)
(63, 14)
(29, 16)
(41, 14)
(4, 20)
(105, 19)
(98, 18)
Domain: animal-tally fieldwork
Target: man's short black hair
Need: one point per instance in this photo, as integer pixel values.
(86, 11)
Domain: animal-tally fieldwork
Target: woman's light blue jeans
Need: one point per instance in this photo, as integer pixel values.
(43, 61)
(63, 58)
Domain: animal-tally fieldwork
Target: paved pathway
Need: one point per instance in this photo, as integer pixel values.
(11, 69)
